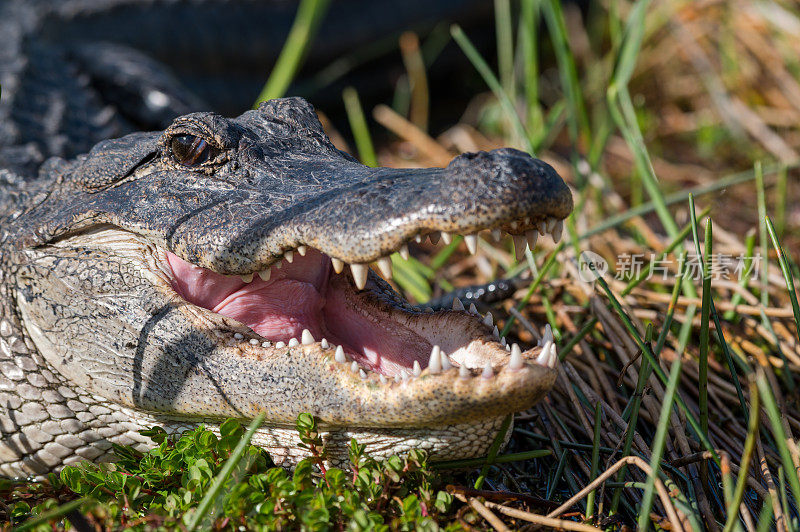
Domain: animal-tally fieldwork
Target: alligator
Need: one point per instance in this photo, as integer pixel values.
(221, 268)
(190, 275)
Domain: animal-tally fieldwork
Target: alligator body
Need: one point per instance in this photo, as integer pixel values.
(75, 72)
(187, 275)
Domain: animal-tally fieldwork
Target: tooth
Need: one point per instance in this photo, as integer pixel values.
(416, 369)
(503, 342)
(457, 304)
(516, 358)
(541, 227)
(553, 360)
(446, 237)
(497, 234)
(324, 344)
(531, 236)
(354, 367)
(404, 375)
(548, 334)
(435, 362)
(551, 223)
(404, 252)
(418, 239)
(472, 243)
(508, 348)
(496, 332)
(542, 357)
(238, 336)
(247, 278)
(434, 238)
(382, 378)
(385, 266)
(488, 321)
(514, 224)
(307, 338)
(265, 274)
(253, 341)
(463, 372)
(527, 220)
(293, 342)
(359, 275)
(557, 230)
(519, 246)
(547, 352)
(473, 310)
(487, 371)
(338, 356)
(445, 361)
(278, 265)
(289, 256)
(362, 374)
(280, 345)
(266, 344)
(338, 265)
(302, 250)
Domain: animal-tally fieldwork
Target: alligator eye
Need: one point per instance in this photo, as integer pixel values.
(190, 150)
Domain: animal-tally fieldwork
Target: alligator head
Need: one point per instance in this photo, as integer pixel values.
(196, 274)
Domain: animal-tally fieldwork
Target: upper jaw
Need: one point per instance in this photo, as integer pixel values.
(358, 215)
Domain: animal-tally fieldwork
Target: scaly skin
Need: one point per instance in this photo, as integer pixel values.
(96, 344)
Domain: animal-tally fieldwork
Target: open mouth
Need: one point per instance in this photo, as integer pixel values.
(301, 299)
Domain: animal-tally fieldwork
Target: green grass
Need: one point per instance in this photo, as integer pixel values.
(310, 14)
(201, 481)
(658, 370)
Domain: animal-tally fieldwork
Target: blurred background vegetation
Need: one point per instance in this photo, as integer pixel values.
(677, 398)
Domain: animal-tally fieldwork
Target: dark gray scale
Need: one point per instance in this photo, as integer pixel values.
(482, 295)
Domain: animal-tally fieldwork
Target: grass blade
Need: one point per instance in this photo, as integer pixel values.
(671, 199)
(781, 194)
(704, 334)
(54, 514)
(309, 16)
(578, 121)
(410, 279)
(358, 125)
(532, 288)
(787, 273)
(774, 417)
(626, 321)
(595, 459)
(491, 80)
(529, 14)
(659, 443)
(502, 459)
(762, 230)
(493, 450)
(196, 518)
(744, 464)
(631, 412)
(631, 45)
(417, 79)
(505, 45)
(676, 242)
(713, 311)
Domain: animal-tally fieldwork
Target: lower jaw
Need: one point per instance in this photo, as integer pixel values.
(368, 333)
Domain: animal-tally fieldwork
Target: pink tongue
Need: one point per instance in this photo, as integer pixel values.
(278, 309)
(298, 297)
